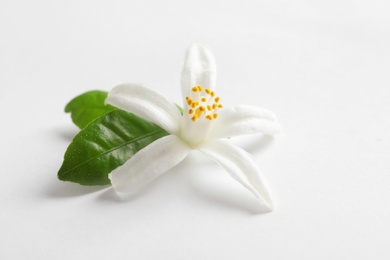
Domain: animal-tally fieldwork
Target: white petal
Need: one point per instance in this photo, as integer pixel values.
(147, 103)
(198, 70)
(241, 120)
(240, 165)
(148, 164)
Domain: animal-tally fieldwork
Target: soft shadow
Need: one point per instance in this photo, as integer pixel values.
(110, 195)
(62, 189)
(66, 133)
(213, 185)
(255, 144)
(230, 200)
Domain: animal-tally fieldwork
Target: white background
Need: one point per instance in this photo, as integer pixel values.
(321, 66)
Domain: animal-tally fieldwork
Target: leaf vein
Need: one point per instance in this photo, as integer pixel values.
(114, 148)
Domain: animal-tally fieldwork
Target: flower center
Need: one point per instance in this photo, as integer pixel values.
(203, 104)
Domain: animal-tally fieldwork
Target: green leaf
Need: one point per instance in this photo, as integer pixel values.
(87, 107)
(180, 109)
(105, 144)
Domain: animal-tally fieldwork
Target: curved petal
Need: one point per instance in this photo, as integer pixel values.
(148, 164)
(198, 70)
(240, 165)
(146, 103)
(242, 120)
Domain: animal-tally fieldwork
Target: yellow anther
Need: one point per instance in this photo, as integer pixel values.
(198, 112)
(203, 105)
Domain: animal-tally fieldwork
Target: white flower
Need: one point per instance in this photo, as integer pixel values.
(203, 126)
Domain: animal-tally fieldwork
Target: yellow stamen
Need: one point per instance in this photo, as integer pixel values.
(203, 104)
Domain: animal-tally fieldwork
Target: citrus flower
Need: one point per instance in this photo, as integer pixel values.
(204, 125)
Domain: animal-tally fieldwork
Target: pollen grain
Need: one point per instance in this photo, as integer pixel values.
(203, 104)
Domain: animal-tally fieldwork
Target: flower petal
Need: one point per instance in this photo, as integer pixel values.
(146, 103)
(241, 120)
(148, 164)
(199, 69)
(240, 165)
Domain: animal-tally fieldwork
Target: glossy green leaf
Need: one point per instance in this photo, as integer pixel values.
(87, 107)
(105, 144)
